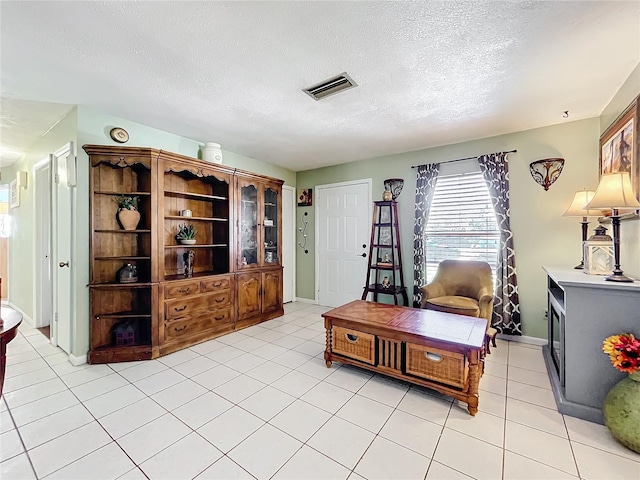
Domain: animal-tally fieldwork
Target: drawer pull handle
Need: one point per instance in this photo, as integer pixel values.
(180, 309)
(180, 329)
(217, 284)
(219, 318)
(184, 290)
(433, 357)
(218, 300)
(351, 338)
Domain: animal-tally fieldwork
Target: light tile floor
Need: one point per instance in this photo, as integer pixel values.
(261, 403)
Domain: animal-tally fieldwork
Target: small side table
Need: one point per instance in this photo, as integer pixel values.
(8, 330)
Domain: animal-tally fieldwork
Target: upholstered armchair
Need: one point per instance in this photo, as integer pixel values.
(463, 287)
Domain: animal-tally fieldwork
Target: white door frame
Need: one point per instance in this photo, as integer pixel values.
(366, 181)
(292, 235)
(39, 189)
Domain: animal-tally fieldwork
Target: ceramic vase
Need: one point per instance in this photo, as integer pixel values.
(128, 219)
(211, 152)
(621, 411)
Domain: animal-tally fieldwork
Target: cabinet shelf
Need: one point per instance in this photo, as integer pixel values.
(378, 288)
(269, 204)
(123, 315)
(123, 257)
(195, 196)
(121, 285)
(385, 267)
(101, 230)
(197, 219)
(380, 245)
(215, 245)
(129, 194)
(169, 278)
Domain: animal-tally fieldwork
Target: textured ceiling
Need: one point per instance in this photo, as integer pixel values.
(429, 73)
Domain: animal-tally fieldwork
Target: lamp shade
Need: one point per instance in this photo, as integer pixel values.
(580, 199)
(4, 208)
(614, 191)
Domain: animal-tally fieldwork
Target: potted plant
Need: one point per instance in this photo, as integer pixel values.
(128, 215)
(186, 234)
(621, 409)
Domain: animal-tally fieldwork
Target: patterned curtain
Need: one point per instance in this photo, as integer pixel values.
(506, 304)
(425, 186)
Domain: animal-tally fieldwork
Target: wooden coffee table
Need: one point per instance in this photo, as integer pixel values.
(437, 350)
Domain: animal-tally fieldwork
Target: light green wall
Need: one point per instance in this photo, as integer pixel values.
(629, 230)
(541, 235)
(22, 241)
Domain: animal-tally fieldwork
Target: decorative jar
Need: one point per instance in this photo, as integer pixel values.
(621, 411)
(212, 152)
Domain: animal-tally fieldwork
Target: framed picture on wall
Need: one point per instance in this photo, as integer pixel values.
(619, 146)
(305, 197)
(14, 194)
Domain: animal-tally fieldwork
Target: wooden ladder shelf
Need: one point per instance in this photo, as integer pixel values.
(384, 271)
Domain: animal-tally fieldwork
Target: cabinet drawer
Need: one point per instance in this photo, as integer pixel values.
(215, 284)
(201, 303)
(353, 344)
(196, 325)
(181, 289)
(438, 365)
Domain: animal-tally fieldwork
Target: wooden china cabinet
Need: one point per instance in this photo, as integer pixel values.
(258, 262)
(236, 278)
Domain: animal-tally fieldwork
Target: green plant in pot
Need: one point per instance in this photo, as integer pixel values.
(128, 215)
(186, 234)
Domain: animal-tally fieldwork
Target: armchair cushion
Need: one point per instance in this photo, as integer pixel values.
(454, 304)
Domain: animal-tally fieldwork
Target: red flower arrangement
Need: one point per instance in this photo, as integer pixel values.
(624, 352)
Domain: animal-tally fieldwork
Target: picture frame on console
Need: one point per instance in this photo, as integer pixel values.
(619, 146)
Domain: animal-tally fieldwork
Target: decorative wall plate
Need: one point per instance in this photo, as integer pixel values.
(119, 135)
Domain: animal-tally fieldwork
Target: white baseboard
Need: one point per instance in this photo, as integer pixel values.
(305, 300)
(75, 361)
(25, 317)
(523, 339)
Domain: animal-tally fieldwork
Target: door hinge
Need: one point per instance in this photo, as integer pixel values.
(55, 317)
(56, 178)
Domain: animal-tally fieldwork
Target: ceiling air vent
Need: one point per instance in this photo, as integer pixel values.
(331, 86)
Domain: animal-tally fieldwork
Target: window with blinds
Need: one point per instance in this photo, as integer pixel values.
(461, 224)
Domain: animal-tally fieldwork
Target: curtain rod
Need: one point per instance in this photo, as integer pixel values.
(461, 159)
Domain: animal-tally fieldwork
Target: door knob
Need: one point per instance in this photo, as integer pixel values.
(363, 255)
(63, 264)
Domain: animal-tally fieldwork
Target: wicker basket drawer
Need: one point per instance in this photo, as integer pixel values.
(353, 344)
(437, 365)
(215, 284)
(196, 325)
(198, 304)
(174, 290)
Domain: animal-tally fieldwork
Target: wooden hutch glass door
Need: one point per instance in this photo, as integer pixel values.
(249, 226)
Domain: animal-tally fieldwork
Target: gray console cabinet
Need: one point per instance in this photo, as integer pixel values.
(582, 311)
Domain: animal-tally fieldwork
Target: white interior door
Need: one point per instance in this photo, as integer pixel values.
(63, 164)
(42, 174)
(343, 229)
(288, 243)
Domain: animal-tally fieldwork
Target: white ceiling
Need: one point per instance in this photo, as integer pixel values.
(429, 73)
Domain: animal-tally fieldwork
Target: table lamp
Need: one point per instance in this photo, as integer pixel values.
(614, 192)
(576, 209)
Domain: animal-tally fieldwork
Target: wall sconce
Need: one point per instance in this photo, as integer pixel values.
(546, 171)
(614, 192)
(21, 179)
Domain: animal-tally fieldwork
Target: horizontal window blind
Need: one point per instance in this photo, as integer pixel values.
(461, 224)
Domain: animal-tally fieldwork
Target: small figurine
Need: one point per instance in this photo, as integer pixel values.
(386, 258)
(385, 282)
(188, 258)
(244, 260)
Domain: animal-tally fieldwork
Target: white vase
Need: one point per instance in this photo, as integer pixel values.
(211, 152)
